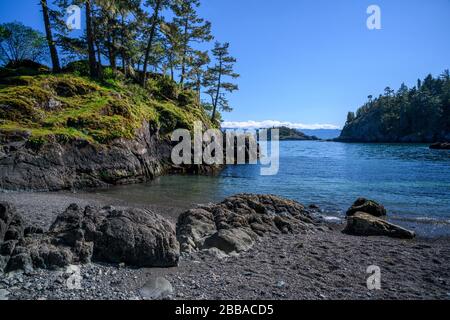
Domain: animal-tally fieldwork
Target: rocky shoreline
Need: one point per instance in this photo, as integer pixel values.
(314, 260)
(76, 165)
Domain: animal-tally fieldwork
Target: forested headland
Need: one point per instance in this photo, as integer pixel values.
(127, 55)
(96, 107)
(417, 114)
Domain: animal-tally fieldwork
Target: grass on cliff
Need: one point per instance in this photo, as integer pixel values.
(68, 107)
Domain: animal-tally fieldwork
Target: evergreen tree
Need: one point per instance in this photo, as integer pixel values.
(49, 34)
(157, 6)
(172, 44)
(93, 70)
(197, 73)
(193, 29)
(215, 79)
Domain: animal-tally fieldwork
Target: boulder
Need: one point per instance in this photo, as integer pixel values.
(234, 225)
(11, 231)
(364, 224)
(193, 227)
(11, 224)
(231, 240)
(440, 146)
(139, 238)
(368, 206)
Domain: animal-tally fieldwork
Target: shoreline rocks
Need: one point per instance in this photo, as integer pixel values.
(364, 224)
(234, 225)
(440, 146)
(57, 165)
(368, 206)
(136, 237)
(366, 218)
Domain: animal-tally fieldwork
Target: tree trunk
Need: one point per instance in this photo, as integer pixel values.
(122, 35)
(199, 89)
(99, 53)
(111, 53)
(219, 84)
(90, 40)
(51, 43)
(150, 41)
(183, 60)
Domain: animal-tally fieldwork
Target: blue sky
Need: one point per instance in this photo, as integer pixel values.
(312, 61)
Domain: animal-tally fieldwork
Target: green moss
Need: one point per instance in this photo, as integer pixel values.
(66, 107)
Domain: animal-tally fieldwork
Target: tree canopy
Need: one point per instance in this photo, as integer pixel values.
(417, 114)
(132, 39)
(19, 43)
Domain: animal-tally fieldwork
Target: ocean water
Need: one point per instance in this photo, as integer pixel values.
(410, 180)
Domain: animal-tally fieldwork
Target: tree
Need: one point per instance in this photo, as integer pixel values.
(197, 73)
(172, 44)
(215, 78)
(157, 6)
(193, 29)
(93, 70)
(350, 117)
(421, 113)
(388, 91)
(19, 42)
(49, 34)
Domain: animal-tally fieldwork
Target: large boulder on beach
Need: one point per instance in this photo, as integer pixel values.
(368, 206)
(139, 238)
(364, 224)
(136, 237)
(234, 225)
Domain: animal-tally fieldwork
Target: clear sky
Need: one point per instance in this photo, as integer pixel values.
(312, 61)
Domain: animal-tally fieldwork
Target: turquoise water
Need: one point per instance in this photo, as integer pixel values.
(411, 181)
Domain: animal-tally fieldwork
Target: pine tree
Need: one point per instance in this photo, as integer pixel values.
(197, 73)
(93, 71)
(215, 78)
(49, 35)
(157, 6)
(172, 44)
(193, 29)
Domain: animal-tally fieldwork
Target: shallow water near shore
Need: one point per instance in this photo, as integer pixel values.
(410, 180)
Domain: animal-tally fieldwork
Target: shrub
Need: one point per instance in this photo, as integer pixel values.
(79, 68)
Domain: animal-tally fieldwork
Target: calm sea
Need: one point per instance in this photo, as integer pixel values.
(411, 181)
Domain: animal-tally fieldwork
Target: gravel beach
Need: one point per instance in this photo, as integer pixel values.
(325, 264)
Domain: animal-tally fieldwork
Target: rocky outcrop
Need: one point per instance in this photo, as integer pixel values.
(61, 165)
(234, 225)
(440, 146)
(138, 238)
(368, 206)
(58, 165)
(364, 224)
(288, 134)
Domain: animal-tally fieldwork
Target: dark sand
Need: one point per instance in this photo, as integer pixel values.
(321, 265)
